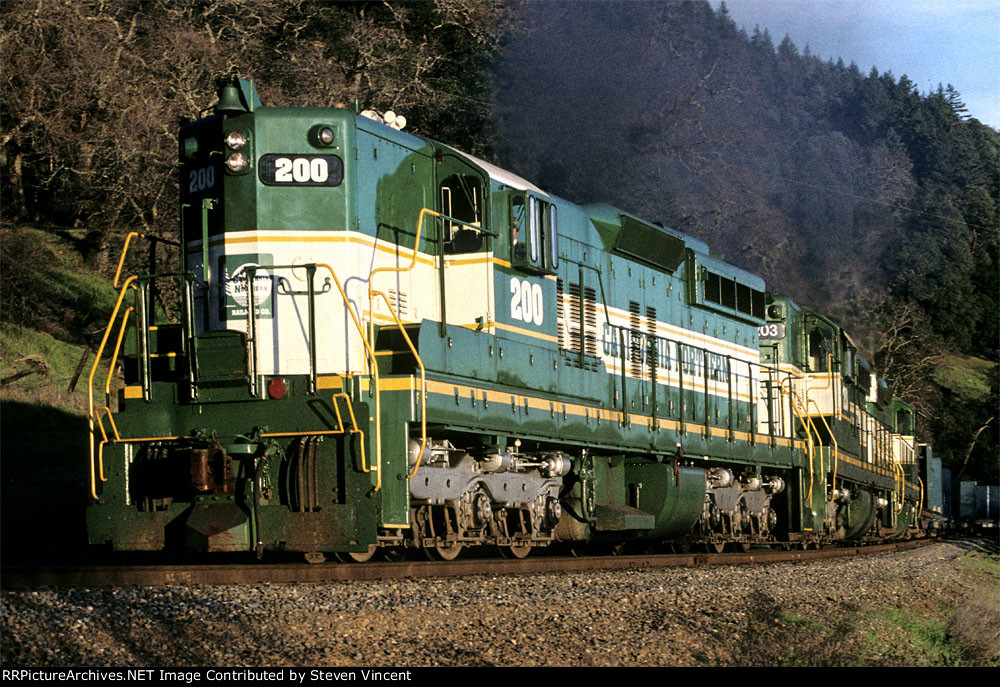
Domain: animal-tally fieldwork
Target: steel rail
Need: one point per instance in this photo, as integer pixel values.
(34, 577)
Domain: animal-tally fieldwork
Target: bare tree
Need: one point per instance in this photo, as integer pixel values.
(92, 89)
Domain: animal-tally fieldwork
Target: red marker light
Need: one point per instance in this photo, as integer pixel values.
(277, 388)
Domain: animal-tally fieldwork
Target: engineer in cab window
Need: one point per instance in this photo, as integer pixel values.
(519, 249)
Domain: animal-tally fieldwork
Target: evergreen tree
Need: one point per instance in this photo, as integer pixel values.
(956, 103)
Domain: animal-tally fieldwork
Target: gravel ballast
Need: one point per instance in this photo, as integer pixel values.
(864, 610)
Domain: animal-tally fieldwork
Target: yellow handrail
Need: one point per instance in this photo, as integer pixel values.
(812, 459)
(413, 263)
(129, 283)
(121, 260)
(829, 379)
(829, 384)
(900, 481)
(100, 451)
(340, 428)
(107, 407)
(354, 422)
(114, 356)
(899, 477)
(423, 384)
(374, 368)
(371, 331)
(836, 447)
(811, 450)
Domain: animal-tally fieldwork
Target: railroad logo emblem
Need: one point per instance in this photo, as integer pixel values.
(234, 272)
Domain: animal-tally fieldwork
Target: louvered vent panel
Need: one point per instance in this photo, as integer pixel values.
(590, 321)
(651, 352)
(635, 339)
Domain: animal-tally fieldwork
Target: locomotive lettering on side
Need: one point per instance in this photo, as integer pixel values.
(406, 381)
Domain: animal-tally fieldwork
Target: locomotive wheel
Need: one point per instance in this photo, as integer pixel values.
(443, 553)
(394, 555)
(740, 547)
(356, 556)
(715, 547)
(521, 551)
(681, 547)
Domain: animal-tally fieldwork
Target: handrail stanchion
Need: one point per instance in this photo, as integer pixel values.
(251, 275)
(310, 273)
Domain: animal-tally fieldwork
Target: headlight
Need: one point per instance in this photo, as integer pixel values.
(236, 140)
(322, 135)
(236, 162)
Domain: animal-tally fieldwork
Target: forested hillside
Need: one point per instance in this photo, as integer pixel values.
(853, 193)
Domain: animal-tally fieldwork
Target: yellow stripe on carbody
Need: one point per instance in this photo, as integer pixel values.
(330, 382)
(236, 238)
(525, 332)
(858, 463)
(465, 391)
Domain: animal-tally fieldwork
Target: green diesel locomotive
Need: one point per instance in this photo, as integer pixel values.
(386, 344)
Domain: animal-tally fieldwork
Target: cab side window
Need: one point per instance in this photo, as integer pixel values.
(820, 348)
(461, 199)
(534, 234)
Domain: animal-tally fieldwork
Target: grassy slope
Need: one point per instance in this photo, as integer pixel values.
(54, 307)
(958, 625)
(967, 377)
(17, 344)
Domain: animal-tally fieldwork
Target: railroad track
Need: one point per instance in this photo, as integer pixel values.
(33, 577)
